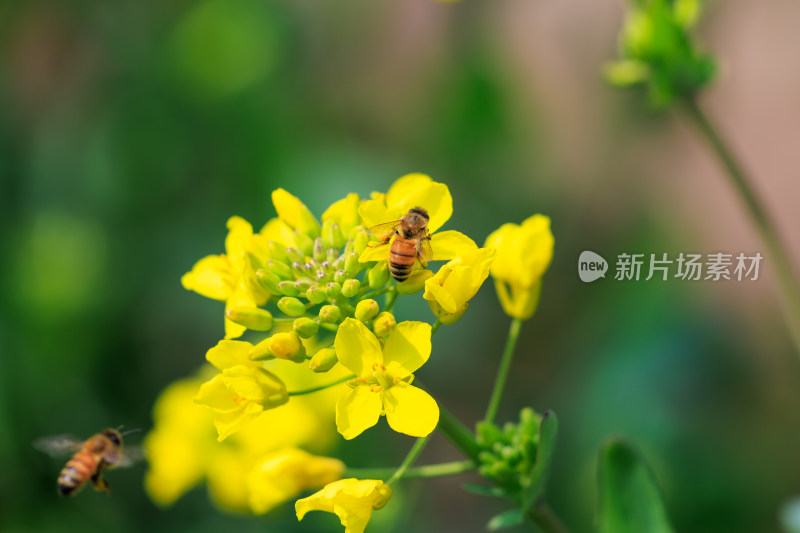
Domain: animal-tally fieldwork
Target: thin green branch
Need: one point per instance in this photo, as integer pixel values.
(789, 290)
(419, 445)
(321, 387)
(435, 470)
(502, 372)
(378, 292)
(436, 326)
(544, 517)
(458, 434)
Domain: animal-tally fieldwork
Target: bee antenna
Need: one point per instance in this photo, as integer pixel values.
(130, 432)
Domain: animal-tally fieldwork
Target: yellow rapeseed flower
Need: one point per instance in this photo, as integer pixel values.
(523, 254)
(227, 277)
(449, 291)
(415, 190)
(287, 472)
(382, 385)
(351, 499)
(242, 391)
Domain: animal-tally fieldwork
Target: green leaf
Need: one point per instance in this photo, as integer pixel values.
(548, 430)
(510, 518)
(484, 490)
(630, 500)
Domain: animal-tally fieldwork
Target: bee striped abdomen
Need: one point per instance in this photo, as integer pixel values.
(402, 255)
(76, 472)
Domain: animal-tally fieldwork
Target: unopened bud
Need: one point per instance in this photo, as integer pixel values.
(323, 360)
(361, 241)
(319, 252)
(332, 235)
(277, 251)
(315, 294)
(340, 276)
(287, 346)
(444, 316)
(415, 282)
(291, 306)
(305, 327)
(287, 288)
(333, 290)
(303, 284)
(268, 281)
(384, 494)
(351, 287)
(304, 242)
(260, 352)
(330, 314)
(300, 270)
(251, 317)
(378, 275)
(384, 324)
(295, 255)
(280, 268)
(367, 310)
(351, 264)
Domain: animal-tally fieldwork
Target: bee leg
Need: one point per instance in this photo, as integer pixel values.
(100, 483)
(422, 261)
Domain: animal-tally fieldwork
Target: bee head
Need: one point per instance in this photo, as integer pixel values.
(114, 436)
(417, 218)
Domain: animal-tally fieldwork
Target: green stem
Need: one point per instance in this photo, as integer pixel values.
(415, 450)
(502, 372)
(436, 326)
(544, 517)
(458, 434)
(436, 470)
(321, 387)
(378, 292)
(390, 300)
(789, 290)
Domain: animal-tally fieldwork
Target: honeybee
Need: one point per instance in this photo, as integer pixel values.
(412, 241)
(91, 458)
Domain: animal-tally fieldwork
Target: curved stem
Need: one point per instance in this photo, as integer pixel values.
(321, 387)
(544, 517)
(415, 450)
(458, 434)
(436, 470)
(378, 292)
(789, 290)
(502, 372)
(436, 326)
(390, 300)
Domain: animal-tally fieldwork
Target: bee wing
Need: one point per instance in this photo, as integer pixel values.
(58, 445)
(383, 231)
(130, 456)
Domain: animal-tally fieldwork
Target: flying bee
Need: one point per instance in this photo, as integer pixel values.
(411, 241)
(90, 458)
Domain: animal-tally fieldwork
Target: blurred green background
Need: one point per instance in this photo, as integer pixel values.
(131, 130)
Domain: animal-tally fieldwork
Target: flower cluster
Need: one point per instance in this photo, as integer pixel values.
(308, 315)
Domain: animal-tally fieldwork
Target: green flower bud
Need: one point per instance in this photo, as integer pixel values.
(333, 290)
(268, 281)
(315, 294)
(282, 270)
(303, 284)
(323, 360)
(291, 306)
(287, 288)
(367, 310)
(305, 327)
(378, 275)
(415, 282)
(319, 252)
(361, 241)
(384, 324)
(277, 251)
(351, 287)
(340, 276)
(330, 314)
(295, 255)
(300, 270)
(251, 317)
(352, 265)
(332, 235)
(304, 242)
(287, 346)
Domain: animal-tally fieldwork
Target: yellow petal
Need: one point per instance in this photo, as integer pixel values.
(229, 423)
(410, 410)
(345, 213)
(357, 410)
(434, 291)
(449, 244)
(374, 212)
(230, 353)
(240, 297)
(215, 394)
(357, 347)
(227, 472)
(211, 277)
(405, 186)
(238, 239)
(277, 230)
(407, 348)
(351, 499)
(295, 213)
(418, 190)
(374, 253)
